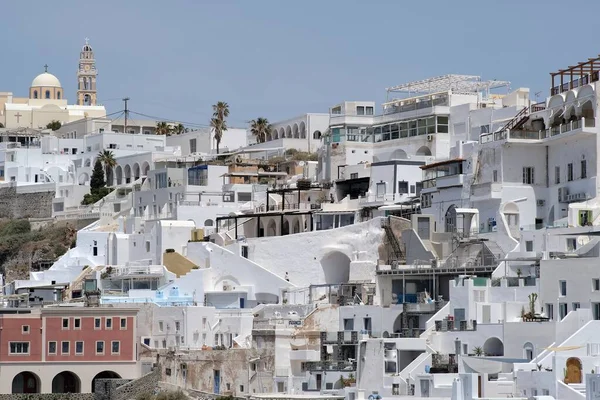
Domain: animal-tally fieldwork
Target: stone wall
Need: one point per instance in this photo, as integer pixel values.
(25, 205)
(125, 389)
(48, 396)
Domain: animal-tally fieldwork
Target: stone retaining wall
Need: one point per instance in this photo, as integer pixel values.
(25, 205)
(125, 389)
(48, 396)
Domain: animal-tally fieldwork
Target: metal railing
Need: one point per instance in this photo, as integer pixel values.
(538, 135)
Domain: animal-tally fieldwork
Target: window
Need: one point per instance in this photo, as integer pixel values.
(25, 329)
(79, 348)
(100, 347)
(241, 388)
(19, 347)
(576, 306)
(562, 288)
(112, 145)
(161, 181)
(571, 244)
(380, 189)
(177, 326)
(569, 172)
(65, 323)
(35, 94)
(51, 347)
(529, 245)
(583, 169)
(115, 347)
(495, 176)
(97, 323)
(198, 175)
(557, 175)
(360, 110)
(77, 323)
(562, 310)
(244, 196)
(367, 324)
(108, 323)
(402, 187)
(354, 175)
(160, 326)
(369, 110)
(596, 311)
(484, 129)
(123, 323)
(47, 94)
(596, 285)
(336, 110)
(528, 177)
(58, 95)
(64, 348)
(348, 324)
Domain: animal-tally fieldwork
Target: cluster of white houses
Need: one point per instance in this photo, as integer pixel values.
(429, 251)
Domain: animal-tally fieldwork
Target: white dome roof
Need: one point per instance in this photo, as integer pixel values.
(46, 80)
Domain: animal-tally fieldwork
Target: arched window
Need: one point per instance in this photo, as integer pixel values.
(58, 95)
(35, 95)
(47, 94)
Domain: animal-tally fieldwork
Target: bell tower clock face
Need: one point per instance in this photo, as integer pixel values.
(87, 67)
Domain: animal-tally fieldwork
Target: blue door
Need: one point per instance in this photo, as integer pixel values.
(217, 379)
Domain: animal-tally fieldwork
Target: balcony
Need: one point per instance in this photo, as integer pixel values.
(339, 337)
(584, 125)
(329, 366)
(449, 181)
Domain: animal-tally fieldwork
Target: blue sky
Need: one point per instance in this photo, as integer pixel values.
(279, 59)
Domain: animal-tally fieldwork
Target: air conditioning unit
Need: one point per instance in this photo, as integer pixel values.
(430, 138)
(226, 286)
(541, 203)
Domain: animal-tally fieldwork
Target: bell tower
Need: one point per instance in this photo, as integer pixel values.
(86, 76)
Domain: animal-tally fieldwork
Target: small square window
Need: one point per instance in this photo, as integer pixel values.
(25, 329)
(64, 349)
(596, 285)
(116, 347)
(79, 348)
(123, 323)
(529, 245)
(100, 347)
(51, 347)
(77, 323)
(65, 323)
(97, 323)
(108, 322)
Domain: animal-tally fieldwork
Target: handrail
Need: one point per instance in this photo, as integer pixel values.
(517, 118)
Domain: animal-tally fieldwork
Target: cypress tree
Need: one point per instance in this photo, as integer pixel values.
(97, 181)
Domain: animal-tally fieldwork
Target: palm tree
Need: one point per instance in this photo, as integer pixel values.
(178, 129)
(218, 121)
(107, 158)
(260, 128)
(162, 128)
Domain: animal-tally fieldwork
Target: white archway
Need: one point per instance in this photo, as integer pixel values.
(275, 134)
(302, 130)
(288, 132)
(281, 133)
(119, 174)
(127, 173)
(493, 347)
(84, 178)
(136, 171)
(399, 154)
(145, 168)
(296, 132)
(336, 267)
(424, 151)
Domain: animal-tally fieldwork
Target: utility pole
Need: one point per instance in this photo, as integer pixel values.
(126, 99)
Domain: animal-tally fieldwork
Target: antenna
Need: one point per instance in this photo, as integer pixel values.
(126, 99)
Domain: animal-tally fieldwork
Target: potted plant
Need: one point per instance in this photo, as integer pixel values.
(478, 351)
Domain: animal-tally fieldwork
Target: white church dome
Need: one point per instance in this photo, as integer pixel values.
(46, 80)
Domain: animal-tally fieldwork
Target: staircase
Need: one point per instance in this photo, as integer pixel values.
(518, 120)
(495, 250)
(392, 240)
(579, 387)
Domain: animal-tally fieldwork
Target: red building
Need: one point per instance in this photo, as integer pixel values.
(64, 349)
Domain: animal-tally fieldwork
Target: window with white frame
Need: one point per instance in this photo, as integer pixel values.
(100, 347)
(596, 285)
(528, 176)
(562, 288)
(19, 347)
(570, 172)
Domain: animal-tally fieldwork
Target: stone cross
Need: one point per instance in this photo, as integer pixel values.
(46, 68)
(18, 115)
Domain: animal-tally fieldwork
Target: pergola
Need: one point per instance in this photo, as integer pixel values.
(587, 71)
(451, 82)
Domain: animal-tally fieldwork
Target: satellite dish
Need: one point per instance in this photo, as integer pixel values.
(302, 163)
(583, 240)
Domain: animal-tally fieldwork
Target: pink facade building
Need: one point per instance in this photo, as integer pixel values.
(64, 349)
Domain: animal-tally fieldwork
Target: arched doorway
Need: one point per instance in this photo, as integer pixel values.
(285, 229)
(493, 347)
(66, 382)
(136, 171)
(272, 229)
(145, 168)
(399, 154)
(336, 267)
(84, 178)
(424, 151)
(127, 174)
(528, 351)
(119, 174)
(450, 219)
(104, 375)
(296, 226)
(573, 373)
(26, 382)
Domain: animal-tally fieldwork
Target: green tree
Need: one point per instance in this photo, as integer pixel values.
(162, 128)
(107, 158)
(178, 129)
(98, 187)
(260, 128)
(54, 125)
(219, 121)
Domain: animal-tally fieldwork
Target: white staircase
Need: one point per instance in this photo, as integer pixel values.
(579, 387)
